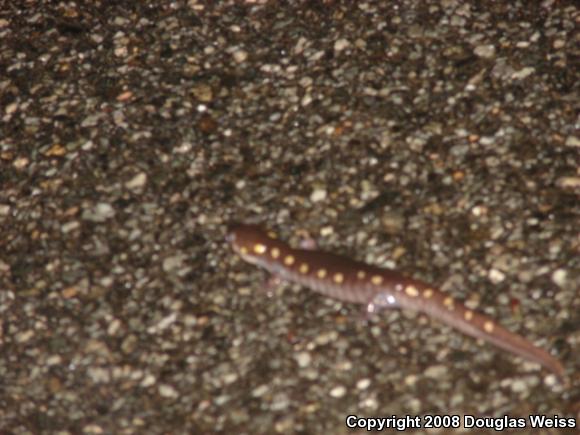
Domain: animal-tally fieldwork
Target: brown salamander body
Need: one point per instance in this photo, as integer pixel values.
(353, 281)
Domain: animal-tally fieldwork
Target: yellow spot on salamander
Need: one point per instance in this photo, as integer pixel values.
(488, 326)
(303, 268)
(468, 315)
(275, 252)
(377, 279)
(412, 291)
(321, 273)
(272, 235)
(289, 260)
(243, 250)
(448, 302)
(361, 274)
(427, 293)
(259, 248)
(338, 278)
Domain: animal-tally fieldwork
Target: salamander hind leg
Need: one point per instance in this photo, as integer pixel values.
(380, 301)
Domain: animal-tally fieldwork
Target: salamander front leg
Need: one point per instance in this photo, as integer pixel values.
(270, 285)
(308, 244)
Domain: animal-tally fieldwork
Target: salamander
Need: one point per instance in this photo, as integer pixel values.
(349, 280)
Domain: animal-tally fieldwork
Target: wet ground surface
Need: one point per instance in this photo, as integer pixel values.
(439, 138)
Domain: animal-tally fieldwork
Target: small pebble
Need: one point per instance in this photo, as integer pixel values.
(496, 276)
(572, 141)
(485, 51)
(167, 391)
(338, 392)
(4, 209)
(99, 213)
(560, 277)
(363, 384)
(303, 359)
(341, 44)
(137, 182)
(260, 390)
(240, 56)
(318, 195)
(435, 372)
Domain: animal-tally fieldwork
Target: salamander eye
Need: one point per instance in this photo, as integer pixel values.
(233, 233)
(231, 237)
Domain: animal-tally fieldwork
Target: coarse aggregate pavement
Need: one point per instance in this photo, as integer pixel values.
(440, 138)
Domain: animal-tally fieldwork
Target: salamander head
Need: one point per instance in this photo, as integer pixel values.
(249, 241)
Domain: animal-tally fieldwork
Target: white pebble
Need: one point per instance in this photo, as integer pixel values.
(303, 359)
(260, 390)
(167, 391)
(572, 141)
(518, 385)
(435, 372)
(341, 44)
(369, 403)
(148, 381)
(70, 226)
(523, 73)
(410, 380)
(326, 231)
(559, 277)
(363, 384)
(137, 182)
(99, 212)
(338, 392)
(318, 195)
(485, 51)
(496, 276)
(240, 56)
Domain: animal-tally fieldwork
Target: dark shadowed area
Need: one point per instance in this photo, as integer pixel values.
(438, 138)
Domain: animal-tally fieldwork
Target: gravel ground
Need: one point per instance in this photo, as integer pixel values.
(440, 138)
